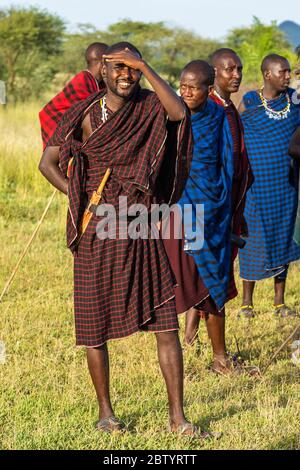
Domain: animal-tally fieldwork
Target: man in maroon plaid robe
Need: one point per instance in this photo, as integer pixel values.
(79, 88)
(124, 285)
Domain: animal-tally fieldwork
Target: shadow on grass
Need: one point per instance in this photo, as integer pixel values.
(287, 443)
(206, 421)
(289, 377)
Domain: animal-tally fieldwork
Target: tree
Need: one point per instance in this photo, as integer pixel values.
(166, 49)
(254, 43)
(28, 38)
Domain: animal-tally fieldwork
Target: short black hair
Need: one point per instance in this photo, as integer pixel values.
(95, 49)
(271, 59)
(201, 67)
(120, 46)
(220, 53)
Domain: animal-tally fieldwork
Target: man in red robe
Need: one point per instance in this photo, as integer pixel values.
(79, 88)
(123, 285)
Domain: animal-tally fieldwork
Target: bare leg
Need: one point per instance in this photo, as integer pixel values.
(171, 364)
(248, 289)
(98, 363)
(192, 320)
(216, 331)
(279, 288)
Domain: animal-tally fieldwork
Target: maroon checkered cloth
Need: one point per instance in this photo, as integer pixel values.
(79, 88)
(242, 176)
(122, 286)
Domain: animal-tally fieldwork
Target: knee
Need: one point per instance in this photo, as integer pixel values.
(167, 338)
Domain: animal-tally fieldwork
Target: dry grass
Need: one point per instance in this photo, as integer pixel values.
(46, 397)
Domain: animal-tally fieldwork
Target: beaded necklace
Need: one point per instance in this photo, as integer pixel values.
(104, 111)
(224, 102)
(271, 113)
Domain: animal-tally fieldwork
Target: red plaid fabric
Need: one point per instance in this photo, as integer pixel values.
(242, 177)
(79, 88)
(122, 286)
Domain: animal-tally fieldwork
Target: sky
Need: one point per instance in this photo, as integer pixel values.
(208, 18)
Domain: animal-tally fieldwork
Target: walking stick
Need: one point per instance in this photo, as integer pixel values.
(27, 246)
(281, 347)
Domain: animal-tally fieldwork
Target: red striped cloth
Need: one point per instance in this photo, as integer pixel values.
(122, 286)
(242, 176)
(79, 88)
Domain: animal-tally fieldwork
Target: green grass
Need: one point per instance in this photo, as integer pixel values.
(46, 397)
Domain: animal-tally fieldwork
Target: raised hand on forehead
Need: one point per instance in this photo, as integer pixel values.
(127, 57)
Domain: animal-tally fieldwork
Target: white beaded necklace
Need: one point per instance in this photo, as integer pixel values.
(104, 112)
(271, 113)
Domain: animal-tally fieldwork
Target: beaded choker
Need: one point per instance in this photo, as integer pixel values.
(104, 112)
(223, 101)
(271, 113)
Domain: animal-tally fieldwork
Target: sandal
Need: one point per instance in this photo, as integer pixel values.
(282, 311)
(246, 311)
(190, 430)
(236, 366)
(230, 366)
(111, 424)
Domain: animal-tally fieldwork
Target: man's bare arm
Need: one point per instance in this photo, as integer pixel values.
(169, 99)
(294, 148)
(49, 168)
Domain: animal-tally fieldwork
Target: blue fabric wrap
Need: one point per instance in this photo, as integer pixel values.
(297, 225)
(209, 183)
(271, 202)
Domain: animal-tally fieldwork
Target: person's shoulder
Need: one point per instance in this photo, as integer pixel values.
(83, 73)
(291, 91)
(148, 99)
(79, 78)
(79, 107)
(294, 96)
(214, 106)
(251, 98)
(148, 95)
(216, 110)
(251, 94)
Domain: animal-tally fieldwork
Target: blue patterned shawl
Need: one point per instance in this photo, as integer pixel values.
(209, 184)
(297, 225)
(271, 202)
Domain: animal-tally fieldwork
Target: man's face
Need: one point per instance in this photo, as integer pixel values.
(229, 73)
(193, 90)
(120, 79)
(279, 75)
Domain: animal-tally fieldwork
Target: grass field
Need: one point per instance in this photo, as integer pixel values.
(46, 397)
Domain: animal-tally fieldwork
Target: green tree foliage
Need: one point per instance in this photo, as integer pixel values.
(29, 37)
(257, 41)
(71, 61)
(166, 49)
(35, 51)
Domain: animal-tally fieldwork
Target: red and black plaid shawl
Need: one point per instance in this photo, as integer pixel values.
(122, 285)
(79, 88)
(242, 177)
(146, 152)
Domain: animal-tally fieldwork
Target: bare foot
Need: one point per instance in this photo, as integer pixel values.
(191, 430)
(222, 365)
(110, 424)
